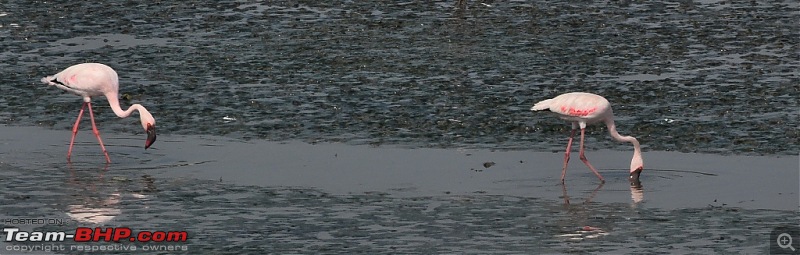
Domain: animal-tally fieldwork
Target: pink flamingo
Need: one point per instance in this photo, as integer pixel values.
(94, 79)
(586, 108)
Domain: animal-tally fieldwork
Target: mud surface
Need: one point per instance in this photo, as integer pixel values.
(364, 126)
(702, 76)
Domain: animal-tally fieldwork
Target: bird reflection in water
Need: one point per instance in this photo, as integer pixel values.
(92, 203)
(588, 199)
(589, 230)
(637, 193)
(97, 201)
(580, 214)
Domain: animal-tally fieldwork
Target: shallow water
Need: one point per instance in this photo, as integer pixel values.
(233, 196)
(223, 218)
(242, 90)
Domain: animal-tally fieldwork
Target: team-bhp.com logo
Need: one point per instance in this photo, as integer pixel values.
(83, 234)
(96, 235)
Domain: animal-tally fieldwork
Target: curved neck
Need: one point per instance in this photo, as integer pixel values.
(612, 129)
(113, 101)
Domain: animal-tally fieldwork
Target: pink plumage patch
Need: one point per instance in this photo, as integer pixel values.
(579, 112)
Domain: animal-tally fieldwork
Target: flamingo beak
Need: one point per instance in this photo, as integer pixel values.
(151, 136)
(634, 178)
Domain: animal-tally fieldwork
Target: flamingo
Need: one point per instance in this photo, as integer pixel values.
(95, 79)
(581, 109)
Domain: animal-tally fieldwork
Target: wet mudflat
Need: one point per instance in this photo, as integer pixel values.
(366, 127)
(692, 76)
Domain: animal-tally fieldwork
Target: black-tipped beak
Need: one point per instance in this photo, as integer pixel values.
(634, 178)
(151, 136)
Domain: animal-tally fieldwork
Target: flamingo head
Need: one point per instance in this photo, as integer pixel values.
(149, 125)
(151, 135)
(636, 169)
(634, 178)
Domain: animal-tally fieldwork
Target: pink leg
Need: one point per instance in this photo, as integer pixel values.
(566, 155)
(586, 161)
(75, 132)
(97, 133)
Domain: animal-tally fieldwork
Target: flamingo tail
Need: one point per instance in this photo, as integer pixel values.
(543, 105)
(51, 80)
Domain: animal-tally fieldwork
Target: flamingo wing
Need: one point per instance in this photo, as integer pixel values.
(87, 80)
(576, 105)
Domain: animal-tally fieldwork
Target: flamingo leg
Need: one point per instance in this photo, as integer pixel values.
(585, 160)
(97, 133)
(566, 155)
(75, 132)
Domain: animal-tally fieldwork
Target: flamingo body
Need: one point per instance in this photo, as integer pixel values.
(577, 107)
(86, 80)
(94, 79)
(581, 109)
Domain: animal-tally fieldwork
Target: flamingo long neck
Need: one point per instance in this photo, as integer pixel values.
(113, 101)
(612, 129)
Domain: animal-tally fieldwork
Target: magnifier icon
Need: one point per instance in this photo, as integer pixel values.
(785, 241)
